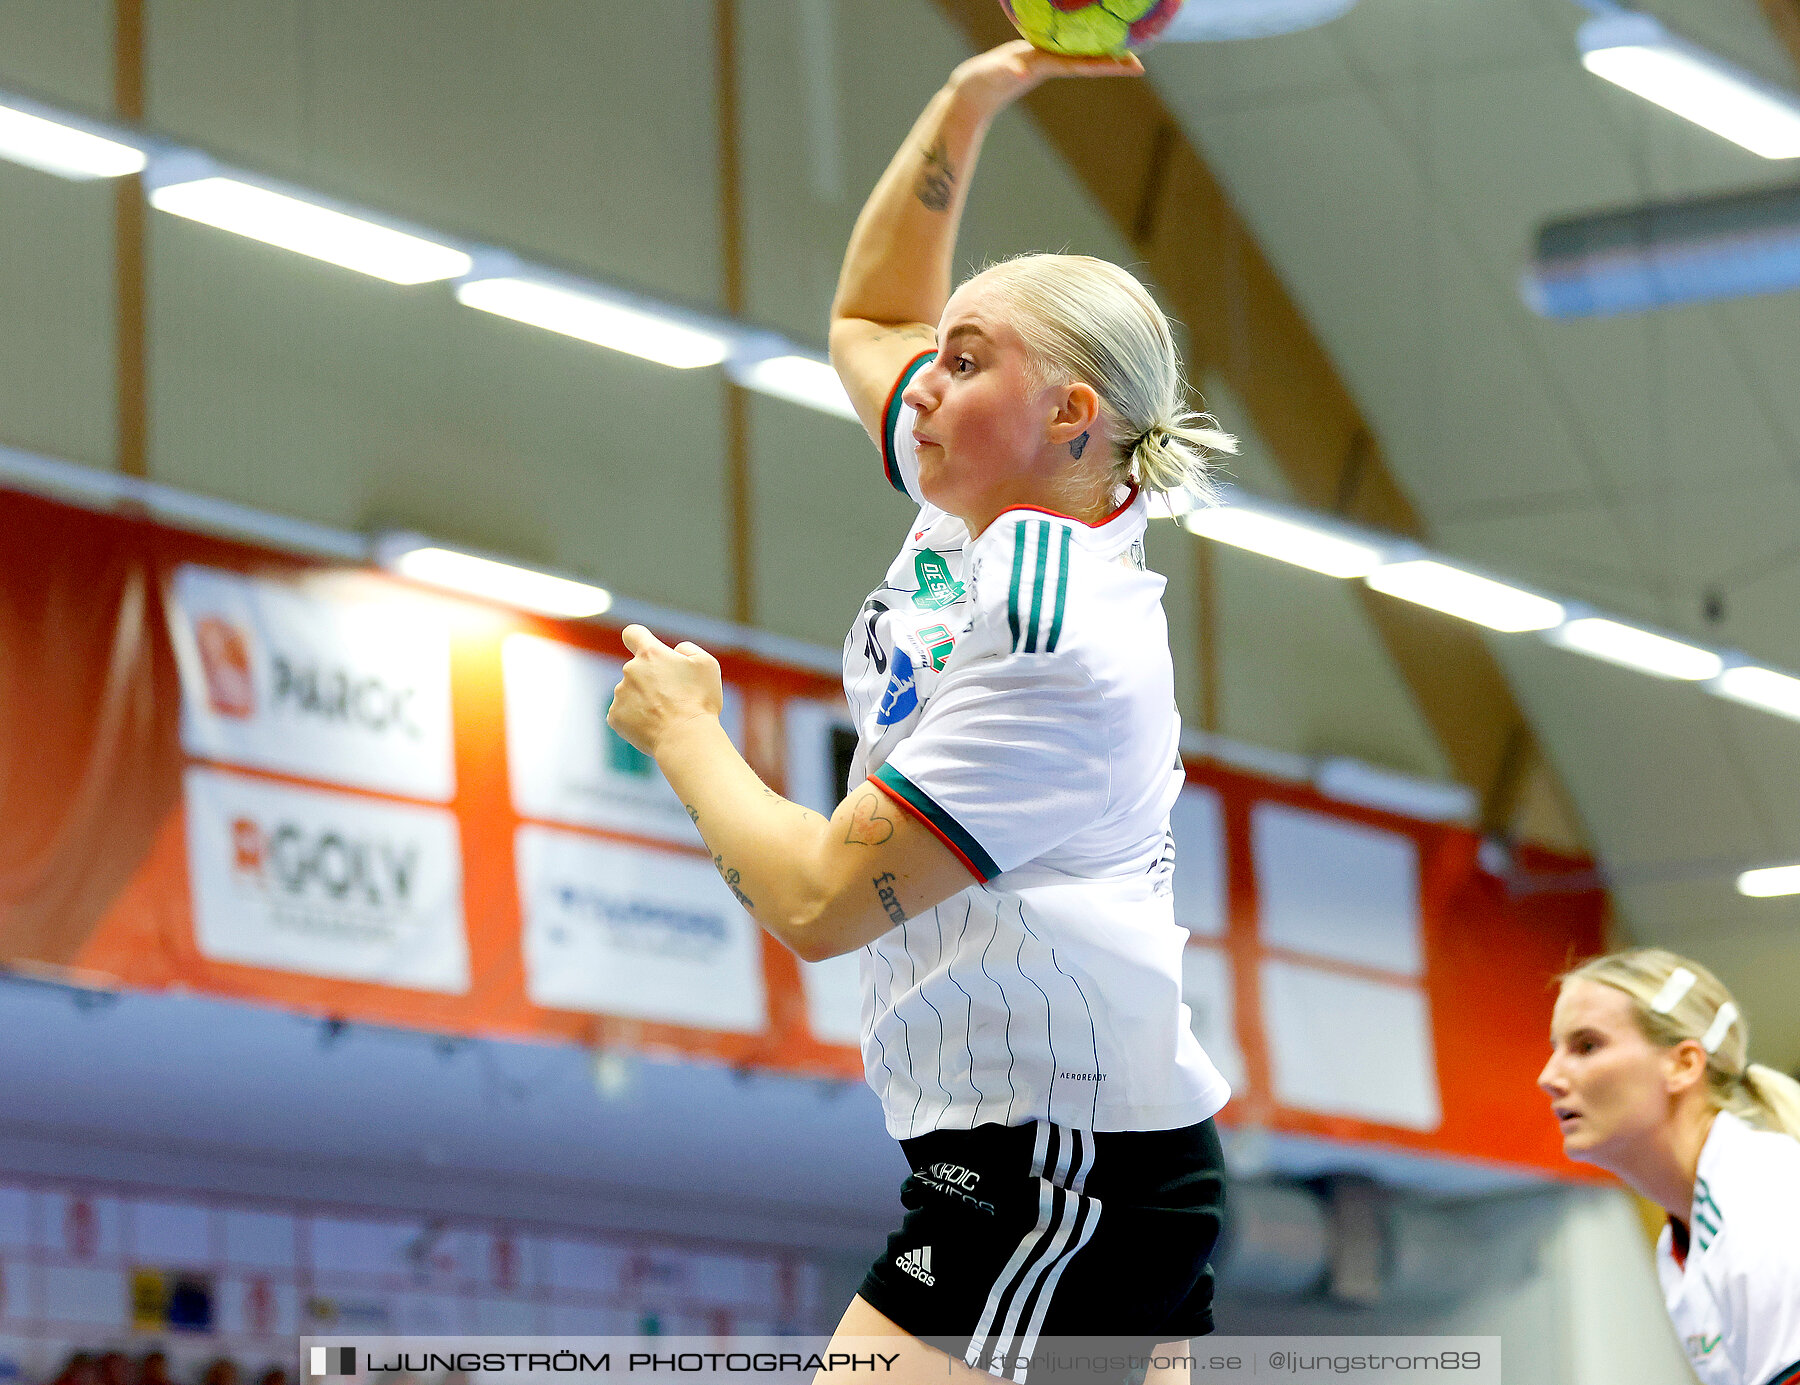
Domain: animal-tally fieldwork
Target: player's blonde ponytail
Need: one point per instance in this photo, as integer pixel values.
(1776, 1096)
(1084, 319)
(1674, 1000)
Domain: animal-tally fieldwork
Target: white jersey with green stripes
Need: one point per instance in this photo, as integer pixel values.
(1014, 692)
(1731, 1275)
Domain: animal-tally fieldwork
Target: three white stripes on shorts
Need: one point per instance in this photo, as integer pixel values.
(1066, 1221)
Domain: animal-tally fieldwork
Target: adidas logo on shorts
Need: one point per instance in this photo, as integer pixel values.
(917, 1263)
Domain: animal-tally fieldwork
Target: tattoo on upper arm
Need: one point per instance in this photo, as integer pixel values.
(867, 826)
(693, 813)
(938, 182)
(884, 891)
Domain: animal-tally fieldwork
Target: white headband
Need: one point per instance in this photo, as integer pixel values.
(1674, 991)
(1721, 1026)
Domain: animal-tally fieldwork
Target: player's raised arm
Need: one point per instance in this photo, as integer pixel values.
(897, 270)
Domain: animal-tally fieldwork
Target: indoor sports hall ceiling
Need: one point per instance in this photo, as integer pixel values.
(1393, 164)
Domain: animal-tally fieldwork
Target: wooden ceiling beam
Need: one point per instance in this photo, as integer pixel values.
(1132, 155)
(1784, 19)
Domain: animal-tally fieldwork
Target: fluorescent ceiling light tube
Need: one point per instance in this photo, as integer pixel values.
(47, 144)
(589, 317)
(1286, 539)
(417, 558)
(1697, 250)
(798, 379)
(1762, 688)
(1636, 52)
(1769, 882)
(308, 228)
(1632, 648)
(1466, 596)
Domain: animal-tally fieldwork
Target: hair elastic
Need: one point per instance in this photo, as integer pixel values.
(1721, 1026)
(1674, 990)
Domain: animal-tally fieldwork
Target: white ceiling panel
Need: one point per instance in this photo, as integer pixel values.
(559, 130)
(1768, 328)
(1760, 598)
(1397, 40)
(59, 50)
(56, 378)
(1649, 763)
(1563, 547)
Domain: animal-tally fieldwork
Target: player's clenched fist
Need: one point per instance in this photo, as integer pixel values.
(662, 688)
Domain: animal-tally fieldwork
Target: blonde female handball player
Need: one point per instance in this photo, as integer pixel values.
(1650, 1079)
(1002, 859)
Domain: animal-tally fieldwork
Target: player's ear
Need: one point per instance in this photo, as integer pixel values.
(1076, 411)
(1684, 1066)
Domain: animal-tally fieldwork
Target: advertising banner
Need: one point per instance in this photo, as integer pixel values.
(285, 782)
(833, 994)
(624, 930)
(567, 765)
(334, 680)
(325, 883)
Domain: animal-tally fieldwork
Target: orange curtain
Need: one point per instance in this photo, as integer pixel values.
(90, 761)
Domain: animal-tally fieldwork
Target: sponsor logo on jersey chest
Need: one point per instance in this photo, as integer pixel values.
(938, 642)
(937, 588)
(901, 698)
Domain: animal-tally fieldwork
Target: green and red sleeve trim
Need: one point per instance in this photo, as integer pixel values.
(944, 827)
(890, 417)
(1789, 1376)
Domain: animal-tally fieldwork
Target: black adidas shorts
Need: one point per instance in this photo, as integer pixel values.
(1016, 1233)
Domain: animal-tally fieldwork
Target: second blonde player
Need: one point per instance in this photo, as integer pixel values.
(1650, 1078)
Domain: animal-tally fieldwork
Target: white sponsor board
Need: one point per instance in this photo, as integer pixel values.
(566, 764)
(1197, 820)
(1338, 889)
(341, 680)
(325, 883)
(834, 998)
(1206, 989)
(1349, 1046)
(812, 773)
(622, 930)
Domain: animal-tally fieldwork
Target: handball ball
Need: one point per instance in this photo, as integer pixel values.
(1090, 28)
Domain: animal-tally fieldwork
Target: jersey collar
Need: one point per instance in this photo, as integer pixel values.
(1107, 537)
(1726, 1130)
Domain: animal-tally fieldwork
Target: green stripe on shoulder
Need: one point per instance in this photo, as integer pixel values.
(948, 828)
(1012, 597)
(1037, 589)
(891, 419)
(1062, 591)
